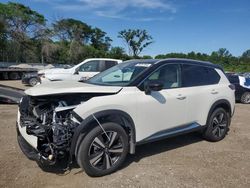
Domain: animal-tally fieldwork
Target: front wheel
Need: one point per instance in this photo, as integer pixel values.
(33, 81)
(217, 125)
(101, 153)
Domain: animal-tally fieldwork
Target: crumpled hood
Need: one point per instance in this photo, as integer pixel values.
(62, 87)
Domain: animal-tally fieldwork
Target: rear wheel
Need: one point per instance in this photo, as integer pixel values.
(217, 125)
(245, 98)
(101, 153)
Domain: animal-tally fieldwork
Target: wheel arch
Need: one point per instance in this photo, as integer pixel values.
(223, 103)
(117, 116)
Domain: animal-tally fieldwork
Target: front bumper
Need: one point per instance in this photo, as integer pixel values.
(26, 148)
(30, 152)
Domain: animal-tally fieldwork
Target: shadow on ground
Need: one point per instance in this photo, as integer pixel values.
(142, 151)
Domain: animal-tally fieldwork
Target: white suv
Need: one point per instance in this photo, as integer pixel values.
(82, 71)
(98, 122)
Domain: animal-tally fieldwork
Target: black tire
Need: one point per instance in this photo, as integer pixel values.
(33, 81)
(217, 125)
(97, 160)
(245, 98)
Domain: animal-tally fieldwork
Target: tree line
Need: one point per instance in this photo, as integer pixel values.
(26, 37)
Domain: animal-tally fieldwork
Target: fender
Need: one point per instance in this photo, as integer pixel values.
(86, 125)
(221, 103)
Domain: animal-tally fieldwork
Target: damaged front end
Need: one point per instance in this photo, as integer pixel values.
(51, 120)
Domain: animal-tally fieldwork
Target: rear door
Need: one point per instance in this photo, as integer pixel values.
(202, 90)
(108, 64)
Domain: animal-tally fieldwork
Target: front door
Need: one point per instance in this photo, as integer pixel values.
(165, 109)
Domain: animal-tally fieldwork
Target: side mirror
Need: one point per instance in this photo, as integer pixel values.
(76, 71)
(153, 85)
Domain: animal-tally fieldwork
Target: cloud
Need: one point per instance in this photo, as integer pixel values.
(122, 4)
(121, 9)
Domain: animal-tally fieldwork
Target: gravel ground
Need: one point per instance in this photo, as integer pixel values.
(184, 161)
(14, 83)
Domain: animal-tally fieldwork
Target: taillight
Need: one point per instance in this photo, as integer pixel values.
(231, 86)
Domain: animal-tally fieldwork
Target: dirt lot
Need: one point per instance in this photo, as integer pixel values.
(185, 161)
(14, 83)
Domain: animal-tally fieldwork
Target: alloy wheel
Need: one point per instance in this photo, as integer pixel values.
(219, 124)
(105, 150)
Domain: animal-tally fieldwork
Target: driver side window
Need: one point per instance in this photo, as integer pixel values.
(169, 75)
(91, 66)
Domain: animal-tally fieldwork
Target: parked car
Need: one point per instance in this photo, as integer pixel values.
(83, 71)
(31, 79)
(98, 122)
(246, 74)
(242, 88)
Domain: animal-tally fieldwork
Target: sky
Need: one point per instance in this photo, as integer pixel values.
(175, 25)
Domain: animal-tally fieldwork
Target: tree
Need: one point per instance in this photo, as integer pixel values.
(71, 29)
(136, 40)
(99, 40)
(118, 53)
(22, 27)
(3, 39)
(147, 57)
(21, 19)
(246, 54)
(223, 52)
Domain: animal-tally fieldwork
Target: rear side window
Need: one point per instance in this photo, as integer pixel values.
(198, 76)
(109, 64)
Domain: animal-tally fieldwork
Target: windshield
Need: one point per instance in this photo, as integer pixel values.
(120, 75)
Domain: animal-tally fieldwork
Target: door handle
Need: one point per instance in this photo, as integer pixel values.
(214, 92)
(181, 98)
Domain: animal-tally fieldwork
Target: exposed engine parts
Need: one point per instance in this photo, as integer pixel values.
(51, 121)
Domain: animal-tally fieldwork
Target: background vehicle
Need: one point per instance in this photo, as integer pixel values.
(83, 71)
(246, 74)
(12, 73)
(242, 87)
(101, 120)
(31, 79)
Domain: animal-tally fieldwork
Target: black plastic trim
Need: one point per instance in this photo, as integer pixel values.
(218, 103)
(172, 132)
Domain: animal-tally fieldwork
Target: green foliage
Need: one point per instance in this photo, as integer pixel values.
(21, 27)
(136, 40)
(246, 54)
(146, 57)
(71, 29)
(221, 57)
(118, 53)
(99, 40)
